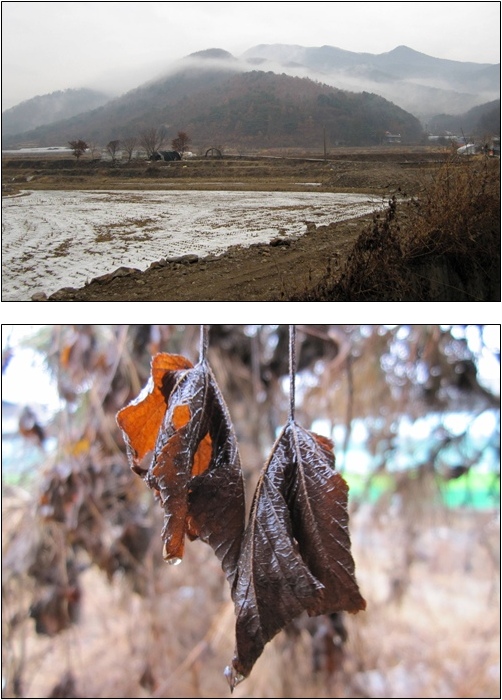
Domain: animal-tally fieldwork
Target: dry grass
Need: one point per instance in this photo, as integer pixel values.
(456, 209)
(431, 628)
(452, 223)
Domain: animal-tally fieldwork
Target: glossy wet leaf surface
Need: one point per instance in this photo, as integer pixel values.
(195, 468)
(296, 551)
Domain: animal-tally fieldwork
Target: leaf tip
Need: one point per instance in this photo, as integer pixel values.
(362, 605)
(233, 677)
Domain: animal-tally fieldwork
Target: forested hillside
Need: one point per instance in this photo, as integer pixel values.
(266, 109)
(237, 110)
(481, 122)
(47, 109)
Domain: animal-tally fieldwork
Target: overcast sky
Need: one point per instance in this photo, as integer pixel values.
(115, 46)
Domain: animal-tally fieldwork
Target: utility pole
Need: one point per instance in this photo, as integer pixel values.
(325, 151)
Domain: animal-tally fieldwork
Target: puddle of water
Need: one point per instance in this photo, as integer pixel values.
(54, 239)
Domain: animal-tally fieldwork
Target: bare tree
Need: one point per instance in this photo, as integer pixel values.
(112, 149)
(95, 150)
(128, 146)
(181, 142)
(151, 139)
(78, 147)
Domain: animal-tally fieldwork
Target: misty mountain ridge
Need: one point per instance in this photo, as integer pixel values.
(50, 108)
(237, 110)
(416, 82)
(213, 55)
(217, 97)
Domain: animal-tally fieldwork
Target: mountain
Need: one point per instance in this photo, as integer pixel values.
(420, 84)
(258, 109)
(150, 104)
(47, 109)
(213, 55)
(214, 82)
(211, 97)
(479, 123)
(417, 83)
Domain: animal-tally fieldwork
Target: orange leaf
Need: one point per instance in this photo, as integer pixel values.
(196, 467)
(140, 421)
(202, 457)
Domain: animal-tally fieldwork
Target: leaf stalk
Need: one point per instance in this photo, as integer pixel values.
(292, 370)
(204, 341)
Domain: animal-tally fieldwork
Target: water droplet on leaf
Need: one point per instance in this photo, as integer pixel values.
(173, 561)
(233, 677)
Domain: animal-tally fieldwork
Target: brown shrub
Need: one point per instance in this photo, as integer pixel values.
(452, 225)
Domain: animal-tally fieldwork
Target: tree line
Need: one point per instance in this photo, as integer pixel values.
(150, 140)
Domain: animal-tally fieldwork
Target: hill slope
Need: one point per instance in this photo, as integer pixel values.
(217, 104)
(260, 109)
(47, 109)
(479, 122)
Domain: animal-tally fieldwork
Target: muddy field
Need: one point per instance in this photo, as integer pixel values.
(278, 268)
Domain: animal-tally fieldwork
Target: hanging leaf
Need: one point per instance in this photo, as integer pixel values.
(295, 554)
(141, 420)
(196, 467)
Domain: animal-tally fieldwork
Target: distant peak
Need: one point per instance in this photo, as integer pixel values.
(403, 50)
(213, 54)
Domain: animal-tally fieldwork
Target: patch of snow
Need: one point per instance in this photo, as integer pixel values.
(55, 239)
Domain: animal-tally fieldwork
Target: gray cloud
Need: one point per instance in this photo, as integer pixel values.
(115, 46)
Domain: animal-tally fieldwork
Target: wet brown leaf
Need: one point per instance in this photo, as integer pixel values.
(196, 466)
(296, 550)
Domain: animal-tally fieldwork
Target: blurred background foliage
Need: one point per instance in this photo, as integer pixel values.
(414, 411)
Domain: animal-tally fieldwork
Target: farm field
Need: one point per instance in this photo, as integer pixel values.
(54, 239)
(313, 240)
